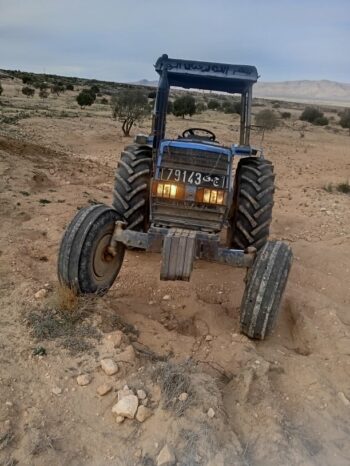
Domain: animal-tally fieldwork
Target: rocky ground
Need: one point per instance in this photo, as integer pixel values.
(157, 373)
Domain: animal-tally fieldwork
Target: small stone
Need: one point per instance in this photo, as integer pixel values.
(83, 380)
(128, 355)
(56, 391)
(109, 366)
(126, 407)
(144, 402)
(40, 294)
(126, 391)
(166, 456)
(9, 403)
(211, 413)
(103, 389)
(143, 413)
(116, 338)
(343, 398)
(119, 419)
(183, 396)
(209, 338)
(141, 394)
(166, 297)
(323, 209)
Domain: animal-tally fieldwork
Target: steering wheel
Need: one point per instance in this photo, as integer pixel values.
(192, 133)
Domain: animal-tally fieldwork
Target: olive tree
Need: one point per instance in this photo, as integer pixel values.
(129, 106)
(184, 105)
(28, 91)
(86, 98)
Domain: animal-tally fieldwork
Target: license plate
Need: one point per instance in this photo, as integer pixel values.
(193, 177)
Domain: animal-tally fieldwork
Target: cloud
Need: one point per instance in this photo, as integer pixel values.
(120, 40)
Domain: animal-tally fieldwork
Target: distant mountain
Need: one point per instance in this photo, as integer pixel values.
(323, 91)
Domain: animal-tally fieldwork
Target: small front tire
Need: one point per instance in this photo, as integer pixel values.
(84, 263)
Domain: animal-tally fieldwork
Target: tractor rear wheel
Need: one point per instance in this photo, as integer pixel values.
(252, 204)
(132, 186)
(264, 289)
(84, 263)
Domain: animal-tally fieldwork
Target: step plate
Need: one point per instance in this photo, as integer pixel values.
(178, 254)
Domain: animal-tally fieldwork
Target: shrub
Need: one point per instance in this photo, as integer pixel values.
(57, 88)
(152, 95)
(28, 91)
(276, 105)
(43, 94)
(286, 115)
(104, 101)
(321, 121)
(128, 106)
(184, 105)
(170, 107)
(230, 106)
(310, 114)
(94, 89)
(345, 119)
(69, 87)
(43, 85)
(1, 89)
(214, 104)
(86, 98)
(201, 107)
(26, 80)
(266, 119)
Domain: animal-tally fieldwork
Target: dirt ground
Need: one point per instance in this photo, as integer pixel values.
(284, 401)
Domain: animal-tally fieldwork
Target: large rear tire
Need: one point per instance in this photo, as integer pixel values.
(132, 186)
(252, 205)
(84, 264)
(264, 289)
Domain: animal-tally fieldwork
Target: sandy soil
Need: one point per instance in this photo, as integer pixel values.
(282, 401)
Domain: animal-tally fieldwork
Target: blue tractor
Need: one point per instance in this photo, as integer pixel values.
(178, 196)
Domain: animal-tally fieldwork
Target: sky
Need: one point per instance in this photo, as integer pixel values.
(120, 40)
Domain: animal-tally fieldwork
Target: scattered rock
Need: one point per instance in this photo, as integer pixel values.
(143, 413)
(210, 413)
(116, 338)
(104, 389)
(183, 396)
(209, 338)
(109, 366)
(343, 398)
(144, 402)
(141, 394)
(56, 390)
(126, 407)
(83, 380)
(166, 297)
(323, 209)
(166, 456)
(119, 419)
(126, 391)
(41, 294)
(128, 355)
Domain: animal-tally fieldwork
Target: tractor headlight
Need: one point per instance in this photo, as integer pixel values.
(210, 196)
(167, 190)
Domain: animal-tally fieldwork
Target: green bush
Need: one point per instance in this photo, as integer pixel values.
(184, 105)
(104, 101)
(321, 121)
(286, 115)
(57, 88)
(95, 89)
(214, 104)
(69, 87)
(1, 89)
(266, 119)
(86, 98)
(27, 80)
(345, 119)
(310, 114)
(43, 94)
(201, 107)
(28, 91)
(276, 105)
(230, 106)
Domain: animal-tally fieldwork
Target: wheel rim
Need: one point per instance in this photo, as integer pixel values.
(104, 264)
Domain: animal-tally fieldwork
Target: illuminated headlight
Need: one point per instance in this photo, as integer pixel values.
(167, 190)
(210, 196)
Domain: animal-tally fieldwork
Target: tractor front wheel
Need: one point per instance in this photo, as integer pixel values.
(84, 262)
(264, 289)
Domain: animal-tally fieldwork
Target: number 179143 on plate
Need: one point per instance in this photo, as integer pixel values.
(192, 177)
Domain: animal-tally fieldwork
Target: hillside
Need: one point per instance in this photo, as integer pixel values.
(299, 91)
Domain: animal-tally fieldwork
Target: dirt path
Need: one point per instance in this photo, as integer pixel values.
(283, 401)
